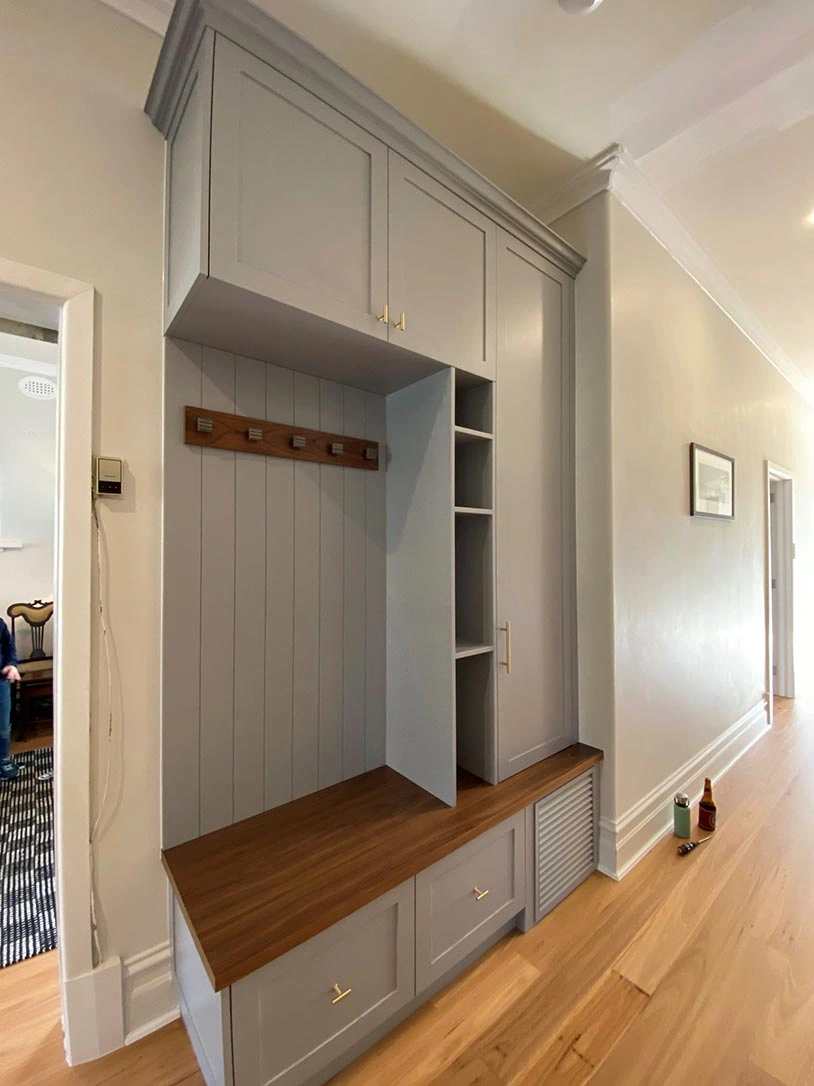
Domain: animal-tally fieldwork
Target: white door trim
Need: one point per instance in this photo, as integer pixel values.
(92, 1015)
(784, 509)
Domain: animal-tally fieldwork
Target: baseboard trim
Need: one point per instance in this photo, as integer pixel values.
(627, 840)
(150, 1000)
(92, 1012)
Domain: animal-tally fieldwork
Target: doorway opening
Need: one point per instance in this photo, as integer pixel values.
(28, 425)
(780, 584)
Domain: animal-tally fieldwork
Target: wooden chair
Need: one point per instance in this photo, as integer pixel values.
(35, 693)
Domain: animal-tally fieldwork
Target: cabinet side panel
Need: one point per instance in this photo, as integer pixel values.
(420, 587)
(181, 605)
(202, 1008)
(250, 594)
(187, 184)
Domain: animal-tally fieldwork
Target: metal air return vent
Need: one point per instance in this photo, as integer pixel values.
(565, 840)
(37, 388)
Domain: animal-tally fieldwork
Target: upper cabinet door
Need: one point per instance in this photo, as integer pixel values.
(533, 508)
(298, 196)
(442, 272)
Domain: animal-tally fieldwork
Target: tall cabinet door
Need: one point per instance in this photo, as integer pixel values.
(534, 508)
(299, 196)
(442, 272)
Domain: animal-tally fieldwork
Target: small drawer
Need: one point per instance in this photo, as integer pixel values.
(464, 898)
(300, 1012)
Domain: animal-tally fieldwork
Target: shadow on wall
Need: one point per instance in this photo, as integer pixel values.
(522, 163)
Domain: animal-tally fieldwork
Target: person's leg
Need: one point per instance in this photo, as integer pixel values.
(8, 769)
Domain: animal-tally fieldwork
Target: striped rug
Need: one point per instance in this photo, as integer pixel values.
(27, 903)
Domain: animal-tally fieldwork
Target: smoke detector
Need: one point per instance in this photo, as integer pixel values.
(579, 7)
(37, 388)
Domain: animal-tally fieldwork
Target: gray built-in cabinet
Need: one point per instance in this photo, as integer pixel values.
(422, 617)
(329, 265)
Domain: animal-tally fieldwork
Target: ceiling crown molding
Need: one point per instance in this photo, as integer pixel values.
(154, 14)
(615, 170)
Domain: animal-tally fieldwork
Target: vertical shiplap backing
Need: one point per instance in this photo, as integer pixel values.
(274, 599)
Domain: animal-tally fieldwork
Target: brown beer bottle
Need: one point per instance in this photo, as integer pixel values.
(707, 811)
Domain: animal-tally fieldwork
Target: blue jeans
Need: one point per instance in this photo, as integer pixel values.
(5, 718)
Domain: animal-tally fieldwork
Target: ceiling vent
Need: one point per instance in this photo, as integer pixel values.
(38, 388)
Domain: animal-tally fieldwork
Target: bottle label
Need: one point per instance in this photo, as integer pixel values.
(706, 819)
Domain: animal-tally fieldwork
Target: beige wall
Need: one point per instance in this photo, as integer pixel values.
(81, 192)
(689, 593)
(686, 658)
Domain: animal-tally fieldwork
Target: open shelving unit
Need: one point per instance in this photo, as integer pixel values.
(474, 576)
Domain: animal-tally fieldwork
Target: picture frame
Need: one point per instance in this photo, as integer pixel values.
(712, 483)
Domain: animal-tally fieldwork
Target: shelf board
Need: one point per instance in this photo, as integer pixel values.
(470, 648)
(464, 434)
(471, 510)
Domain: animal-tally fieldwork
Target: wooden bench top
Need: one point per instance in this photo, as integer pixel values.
(256, 889)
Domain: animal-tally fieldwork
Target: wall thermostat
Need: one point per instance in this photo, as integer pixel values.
(107, 479)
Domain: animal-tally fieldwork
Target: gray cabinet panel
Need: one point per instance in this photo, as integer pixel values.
(286, 1025)
(298, 196)
(442, 272)
(533, 510)
(463, 898)
(187, 187)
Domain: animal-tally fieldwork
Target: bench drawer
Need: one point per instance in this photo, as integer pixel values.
(289, 1021)
(466, 897)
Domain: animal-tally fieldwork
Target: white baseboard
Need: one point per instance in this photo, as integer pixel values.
(150, 1000)
(92, 1012)
(627, 840)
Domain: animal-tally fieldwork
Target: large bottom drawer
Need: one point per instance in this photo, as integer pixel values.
(464, 898)
(300, 1012)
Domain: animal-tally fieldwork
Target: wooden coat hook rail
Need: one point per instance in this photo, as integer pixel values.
(237, 433)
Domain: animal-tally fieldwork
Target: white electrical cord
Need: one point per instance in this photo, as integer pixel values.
(100, 569)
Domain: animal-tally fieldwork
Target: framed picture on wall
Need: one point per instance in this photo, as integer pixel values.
(712, 484)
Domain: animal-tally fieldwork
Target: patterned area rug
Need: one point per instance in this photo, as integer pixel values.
(27, 903)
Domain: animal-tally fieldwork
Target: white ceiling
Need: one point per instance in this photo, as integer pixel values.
(713, 98)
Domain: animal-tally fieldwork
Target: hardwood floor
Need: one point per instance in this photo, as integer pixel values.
(693, 970)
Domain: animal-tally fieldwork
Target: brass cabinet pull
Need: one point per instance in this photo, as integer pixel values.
(340, 994)
(479, 894)
(401, 323)
(385, 316)
(507, 663)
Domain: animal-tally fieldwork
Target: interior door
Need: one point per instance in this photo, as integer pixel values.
(533, 508)
(298, 196)
(442, 272)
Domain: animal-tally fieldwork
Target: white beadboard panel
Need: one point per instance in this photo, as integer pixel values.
(250, 600)
(306, 598)
(375, 587)
(275, 586)
(279, 718)
(353, 707)
(181, 627)
(217, 595)
(331, 593)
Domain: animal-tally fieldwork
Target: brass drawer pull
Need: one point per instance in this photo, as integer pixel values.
(479, 894)
(340, 994)
(401, 323)
(385, 316)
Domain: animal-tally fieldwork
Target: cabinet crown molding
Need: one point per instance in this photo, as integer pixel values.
(616, 171)
(274, 43)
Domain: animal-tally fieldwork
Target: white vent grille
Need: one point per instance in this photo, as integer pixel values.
(565, 826)
(37, 388)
